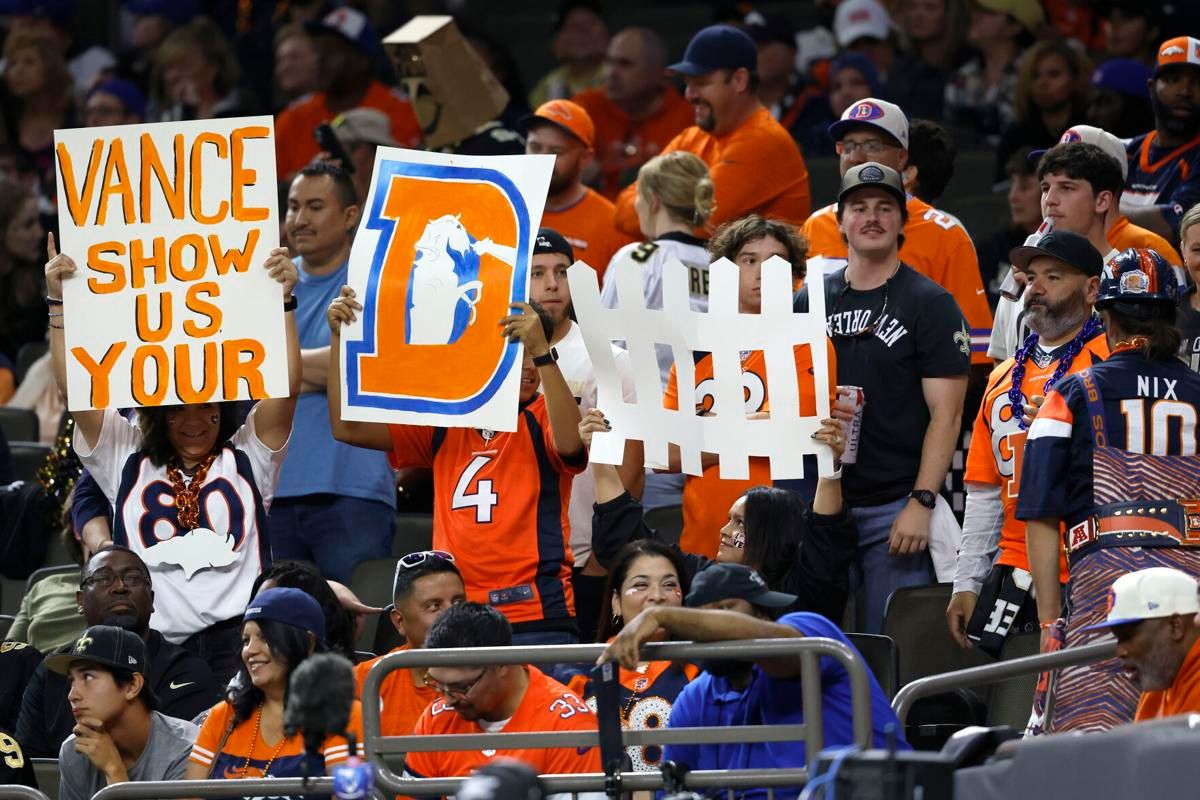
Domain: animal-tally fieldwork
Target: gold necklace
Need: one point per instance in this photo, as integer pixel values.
(254, 741)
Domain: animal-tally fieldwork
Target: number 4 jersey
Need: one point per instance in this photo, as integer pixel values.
(500, 506)
(1149, 407)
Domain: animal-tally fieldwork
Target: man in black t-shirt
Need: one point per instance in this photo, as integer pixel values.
(115, 589)
(903, 339)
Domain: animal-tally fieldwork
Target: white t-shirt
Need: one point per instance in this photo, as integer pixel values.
(576, 367)
(203, 576)
(651, 256)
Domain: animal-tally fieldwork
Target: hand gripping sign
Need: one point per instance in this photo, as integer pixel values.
(442, 252)
(783, 436)
(170, 225)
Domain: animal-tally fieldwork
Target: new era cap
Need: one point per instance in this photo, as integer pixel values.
(872, 174)
(364, 125)
(1180, 50)
(1090, 134)
(1070, 248)
(551, 241)
(106, 645)
(571, 117)
(1149, 594)
(723, 581)
(290, 606)
(877, 113)
(856, 19)
(718, 47)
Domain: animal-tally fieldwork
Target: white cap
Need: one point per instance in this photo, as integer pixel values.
(872, 111)
(855, 19)
(1102, 139)
(1150, 594)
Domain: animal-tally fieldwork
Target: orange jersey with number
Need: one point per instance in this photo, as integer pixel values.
(755, 169)
(588, 226)
(707, 497)
(401, 702)
(500, 506)
(997, 443)
(935, 245)
(547, 706)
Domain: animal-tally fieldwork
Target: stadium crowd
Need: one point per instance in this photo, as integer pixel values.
(1014, 406)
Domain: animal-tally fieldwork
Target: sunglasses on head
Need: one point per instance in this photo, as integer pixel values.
(414, 560)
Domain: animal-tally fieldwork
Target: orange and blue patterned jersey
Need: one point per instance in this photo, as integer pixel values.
(1166, 179)
(500, 505)
(1147, 406)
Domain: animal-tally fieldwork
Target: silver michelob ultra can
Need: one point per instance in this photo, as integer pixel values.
(851, 399)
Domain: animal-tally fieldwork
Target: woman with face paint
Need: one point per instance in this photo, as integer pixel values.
(798, 549)
(644, 573)
(190, 486)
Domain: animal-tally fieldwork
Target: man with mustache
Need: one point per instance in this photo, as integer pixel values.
(755, 165)
(1164, 164)
(992, 584)
(1153, 615)
(115, 589)
(903, 339)
(335, 504)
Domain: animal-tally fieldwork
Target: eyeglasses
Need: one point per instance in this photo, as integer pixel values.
(461, 690)
(414, 560)
(131, 578)
(875, 318)
(871, 147)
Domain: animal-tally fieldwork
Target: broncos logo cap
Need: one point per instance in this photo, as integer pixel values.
(1150, 594)
(566, 115)
(887, 117)
(1177, 51)
(551, 241)
(106, 645)
(1090, 134)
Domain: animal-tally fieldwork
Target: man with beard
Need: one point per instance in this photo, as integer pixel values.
(730, 602)
(564, 130)
(548, 288)
(514, 698)
(755, 165)
(114, 589)
(1153, 618)
(1164, 164)
(992, 585)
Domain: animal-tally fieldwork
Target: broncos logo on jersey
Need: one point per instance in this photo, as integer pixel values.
(443, 270)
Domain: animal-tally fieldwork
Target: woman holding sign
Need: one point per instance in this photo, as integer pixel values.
(190, 488)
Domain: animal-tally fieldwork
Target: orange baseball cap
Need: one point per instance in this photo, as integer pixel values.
(1180, 50)
(571, 117)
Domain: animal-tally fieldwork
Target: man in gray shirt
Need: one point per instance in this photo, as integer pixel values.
(118, 736)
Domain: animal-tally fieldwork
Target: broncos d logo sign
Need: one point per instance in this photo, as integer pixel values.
(443, 273)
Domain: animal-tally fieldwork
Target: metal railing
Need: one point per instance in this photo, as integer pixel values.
(1001, 670)
(240, 787)
(809, 650)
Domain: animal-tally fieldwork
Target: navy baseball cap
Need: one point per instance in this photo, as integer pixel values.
(1070, 248)
(718, 47)
(551, 241)
(125, 91)
(725, 581)
(290, 606)
(57, 10)
(178, 11)
(1124, 75)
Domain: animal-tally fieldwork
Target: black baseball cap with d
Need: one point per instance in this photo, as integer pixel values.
(723, 581)
(872, 174)
(551, 241)
(1070, 248)
(718, 47)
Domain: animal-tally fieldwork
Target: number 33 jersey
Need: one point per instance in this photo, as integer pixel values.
(500, 506)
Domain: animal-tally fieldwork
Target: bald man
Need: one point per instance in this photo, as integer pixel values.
(637, 111)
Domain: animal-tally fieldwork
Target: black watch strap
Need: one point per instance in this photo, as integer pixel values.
(290, 305)
(546, 360)
(924, 497)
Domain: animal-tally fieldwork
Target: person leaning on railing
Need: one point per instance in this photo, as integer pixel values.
(800, 549)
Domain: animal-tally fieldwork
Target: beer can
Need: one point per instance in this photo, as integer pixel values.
(851, 398)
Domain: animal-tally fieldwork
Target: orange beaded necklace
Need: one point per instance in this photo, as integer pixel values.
(254, 741)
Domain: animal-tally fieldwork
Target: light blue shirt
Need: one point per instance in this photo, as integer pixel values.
(316, 462)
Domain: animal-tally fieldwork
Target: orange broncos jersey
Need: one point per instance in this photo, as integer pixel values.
(588, 226)
(500, 505)
(1124, 235)
(242, 749)
(401, 700)
(547, 706)
(707, 497)
(935, 245)
(997, 443)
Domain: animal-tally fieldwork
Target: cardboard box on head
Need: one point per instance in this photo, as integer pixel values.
(453, 91)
